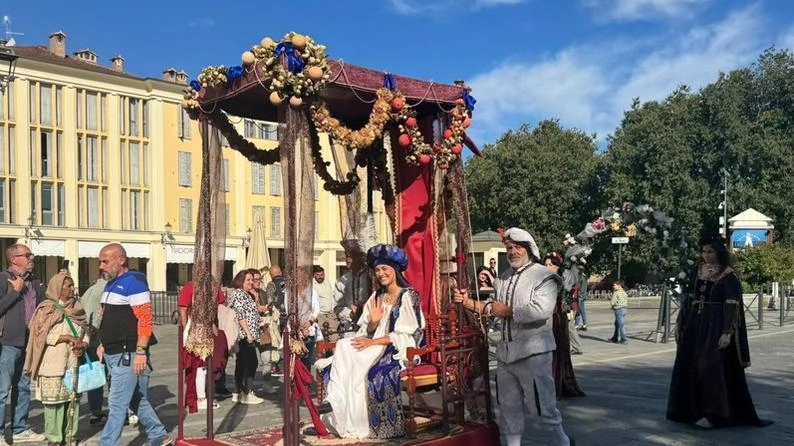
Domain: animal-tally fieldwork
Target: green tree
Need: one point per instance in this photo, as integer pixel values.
(766, 263)
(539, 179)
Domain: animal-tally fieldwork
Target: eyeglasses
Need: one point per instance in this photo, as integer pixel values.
(29, 255)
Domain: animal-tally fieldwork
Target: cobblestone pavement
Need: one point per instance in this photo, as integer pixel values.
(626, 388)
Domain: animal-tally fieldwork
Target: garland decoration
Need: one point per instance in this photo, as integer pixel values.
(444, 152)
(363, 138)
(242, 145)
(306, 71)
(330, 184)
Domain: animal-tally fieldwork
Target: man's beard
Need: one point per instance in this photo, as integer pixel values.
(518, 262)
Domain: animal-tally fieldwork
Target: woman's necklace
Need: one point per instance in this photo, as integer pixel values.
(710, 269)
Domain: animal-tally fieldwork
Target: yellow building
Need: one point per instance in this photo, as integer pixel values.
(91, 154)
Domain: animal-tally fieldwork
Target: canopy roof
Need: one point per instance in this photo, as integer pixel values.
(349, 93)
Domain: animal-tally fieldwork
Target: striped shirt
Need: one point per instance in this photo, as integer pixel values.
(126, 312)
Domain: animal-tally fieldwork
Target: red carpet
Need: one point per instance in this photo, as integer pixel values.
(470, 435)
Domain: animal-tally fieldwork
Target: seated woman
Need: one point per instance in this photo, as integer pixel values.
(364, 379)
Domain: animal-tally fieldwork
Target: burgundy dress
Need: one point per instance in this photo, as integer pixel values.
(564, 378)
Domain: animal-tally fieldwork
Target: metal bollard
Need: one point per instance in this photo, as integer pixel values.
(761, 308)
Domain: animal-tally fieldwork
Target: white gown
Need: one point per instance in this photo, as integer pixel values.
(347, 387)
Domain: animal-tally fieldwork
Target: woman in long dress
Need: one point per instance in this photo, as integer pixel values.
(708, 378)
(58, 338)
(364, 378)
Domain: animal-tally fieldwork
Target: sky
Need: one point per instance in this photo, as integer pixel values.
(579, 61)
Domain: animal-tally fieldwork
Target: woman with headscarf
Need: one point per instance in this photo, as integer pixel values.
(52, 349)
(364, 378)
(708, 378)
(562, 366)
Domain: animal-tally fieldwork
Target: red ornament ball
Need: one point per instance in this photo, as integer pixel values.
(456, 149)
(448, 134)
(424, 159)
(404, 140)
(397, 104)
(410, 122)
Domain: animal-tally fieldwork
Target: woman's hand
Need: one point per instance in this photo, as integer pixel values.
(375, 310)
(249, 337)
(725, 340)
(361, 343)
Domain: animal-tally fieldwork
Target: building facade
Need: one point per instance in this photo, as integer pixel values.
(91, 154)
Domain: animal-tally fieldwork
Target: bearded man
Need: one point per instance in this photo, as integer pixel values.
(525, 296)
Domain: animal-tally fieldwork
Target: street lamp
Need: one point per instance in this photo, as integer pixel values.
(723, 206)
(167, 238)
(8, 65)
(247, 239)
(31, 232)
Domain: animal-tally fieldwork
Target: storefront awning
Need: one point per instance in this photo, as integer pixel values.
(134, 250)
(46, 247)
(184, 253)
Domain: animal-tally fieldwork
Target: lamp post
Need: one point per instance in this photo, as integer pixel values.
(167, 238)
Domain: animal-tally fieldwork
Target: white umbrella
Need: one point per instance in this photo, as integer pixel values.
(258, 255)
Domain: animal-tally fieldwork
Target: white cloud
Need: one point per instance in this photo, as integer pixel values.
(589, 86)
(643, 9)
(415, 7)
(786, 40)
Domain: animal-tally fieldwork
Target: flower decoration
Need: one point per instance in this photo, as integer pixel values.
(214, 77)
(296, 65)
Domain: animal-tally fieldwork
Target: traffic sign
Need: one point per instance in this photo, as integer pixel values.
(620, 240)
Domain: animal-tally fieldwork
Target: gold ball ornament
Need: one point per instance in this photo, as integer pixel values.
(248, 58)
(268, 43)
(299, 41)
(315, 73)
(276, 98)
(295, 101)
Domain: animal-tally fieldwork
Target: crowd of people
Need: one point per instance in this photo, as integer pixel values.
(374, 315)
(47, 332)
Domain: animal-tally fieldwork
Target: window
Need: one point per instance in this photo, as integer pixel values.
(59, 155)
(33, 158)
(134, 105)
(61, 205)
(47, 204)
(103, 99)
(10, 94)
(270, 131)
(91, 105)
(257, 213)
(2, 200)
(135, 178)
(225, 173)
(122, 115)
(3, 163)
(146, 106)
(275, 180)
(123, 162)
(145, 158)
(46, 153)
(135, 210)
(184, 124)
(79, 101)
(46, 104)
(249, 128)
(185, 215)
(92, 159)
(93, 207)
(33, 103)
(275, 222)
(3, 103)
(258, 178)
(184, 169)
(7, 152)
(58, 106)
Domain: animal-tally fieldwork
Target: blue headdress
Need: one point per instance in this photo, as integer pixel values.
(392, 256)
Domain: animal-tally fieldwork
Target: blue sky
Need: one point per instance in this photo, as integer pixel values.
(580, 61)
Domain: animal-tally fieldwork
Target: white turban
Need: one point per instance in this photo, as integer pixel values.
(524, 238)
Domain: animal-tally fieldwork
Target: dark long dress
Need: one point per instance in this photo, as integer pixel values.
(709, 382)
(562, 367)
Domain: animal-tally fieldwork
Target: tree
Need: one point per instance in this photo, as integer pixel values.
(764, 264)
(538, 179)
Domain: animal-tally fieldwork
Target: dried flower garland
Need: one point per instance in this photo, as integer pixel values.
(306, 71)
(242, 145)
(363, 138)
(330, 184)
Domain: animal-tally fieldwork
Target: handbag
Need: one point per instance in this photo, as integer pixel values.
(90, 375)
